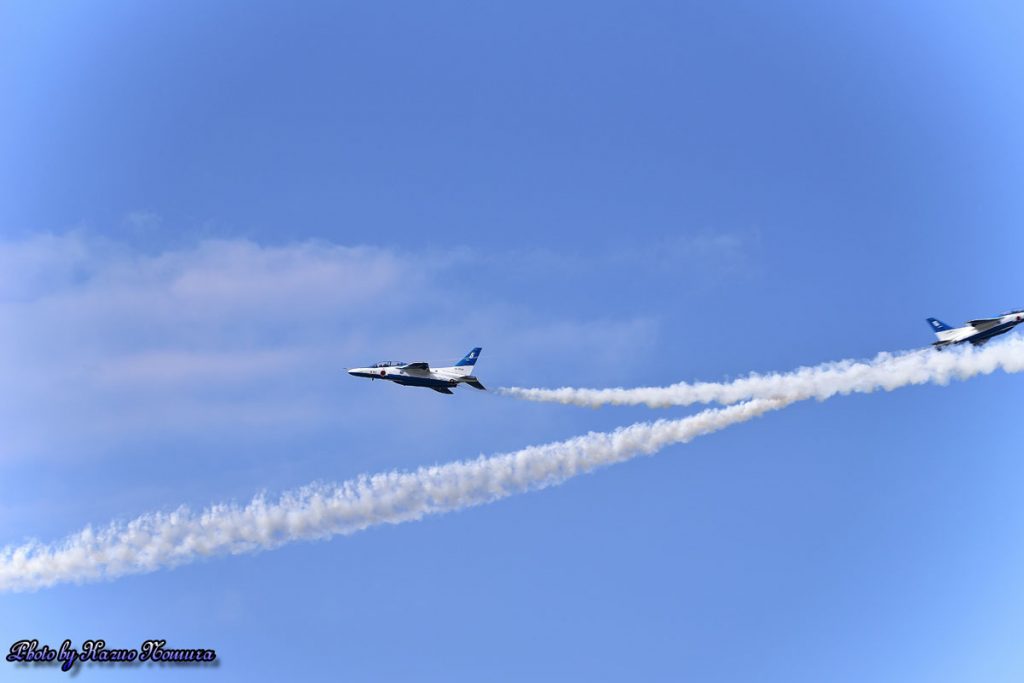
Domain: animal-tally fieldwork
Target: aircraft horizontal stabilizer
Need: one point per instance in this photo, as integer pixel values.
(475, 383)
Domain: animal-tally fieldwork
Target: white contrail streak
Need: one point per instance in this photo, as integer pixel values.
(886, 371)
(160, 540)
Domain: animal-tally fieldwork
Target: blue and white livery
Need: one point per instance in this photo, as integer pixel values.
(420, 374)
(976, 332)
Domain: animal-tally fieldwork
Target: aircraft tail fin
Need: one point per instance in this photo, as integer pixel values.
(464, 368)
(943, 332)
(470, 358)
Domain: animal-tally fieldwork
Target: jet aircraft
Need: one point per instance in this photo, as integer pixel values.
(420, 374)
(976, 332)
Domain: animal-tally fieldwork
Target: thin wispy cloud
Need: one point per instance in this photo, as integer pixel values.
(143, 221)
(106, 342)
(95, 329)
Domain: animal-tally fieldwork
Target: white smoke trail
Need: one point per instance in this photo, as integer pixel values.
(886, 371)
(161, 540)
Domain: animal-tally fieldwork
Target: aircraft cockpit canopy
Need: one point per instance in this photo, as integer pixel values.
(387, 364)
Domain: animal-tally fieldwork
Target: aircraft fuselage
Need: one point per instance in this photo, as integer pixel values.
(420, 374)
(976, 332)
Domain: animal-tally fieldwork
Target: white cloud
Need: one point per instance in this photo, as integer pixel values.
(142, 221)
(104, 342)
(169, 367)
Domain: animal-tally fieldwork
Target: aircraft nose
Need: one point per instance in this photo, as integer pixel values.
(352, 372)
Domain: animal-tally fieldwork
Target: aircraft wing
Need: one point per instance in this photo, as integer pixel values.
(417, 367)
(983, 323)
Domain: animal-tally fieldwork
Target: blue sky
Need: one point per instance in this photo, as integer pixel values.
(211, 208)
